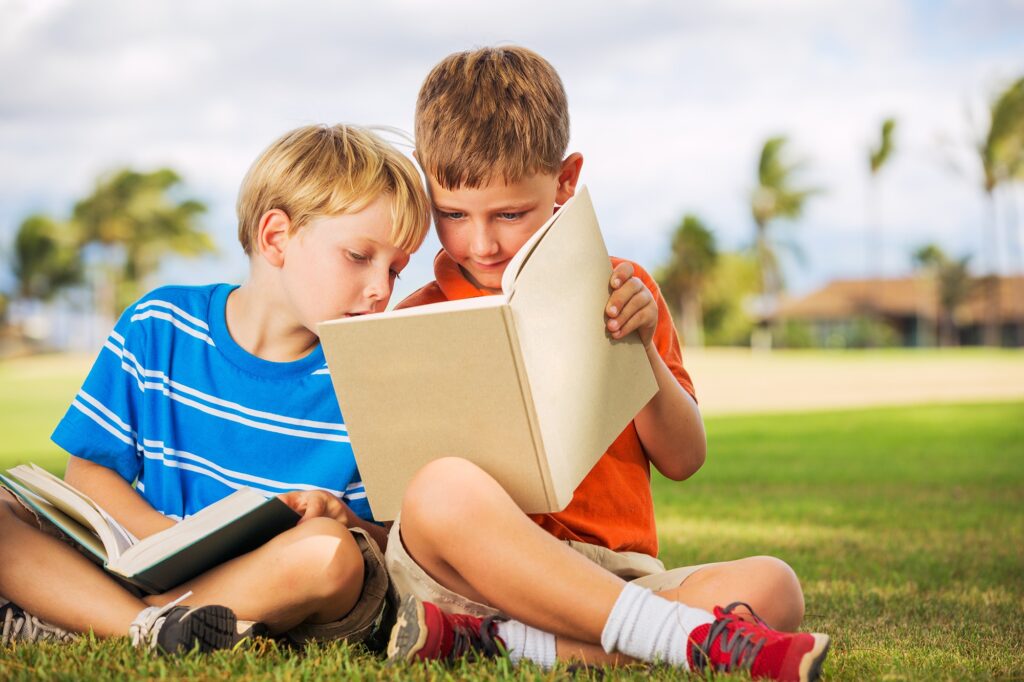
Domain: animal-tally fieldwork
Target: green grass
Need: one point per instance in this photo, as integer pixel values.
(906, 526)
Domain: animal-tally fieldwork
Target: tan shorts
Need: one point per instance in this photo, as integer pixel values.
(369, 622)
(409, 578)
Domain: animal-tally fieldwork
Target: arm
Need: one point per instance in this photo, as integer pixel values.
(314, 503)
(669, 426)
(113, 493)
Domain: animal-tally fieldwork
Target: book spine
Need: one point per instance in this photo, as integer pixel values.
(531, 412)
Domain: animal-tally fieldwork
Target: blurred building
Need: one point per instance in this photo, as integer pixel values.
(910, 307)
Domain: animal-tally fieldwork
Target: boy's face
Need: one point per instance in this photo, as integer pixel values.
(481, 228)
(341, 266)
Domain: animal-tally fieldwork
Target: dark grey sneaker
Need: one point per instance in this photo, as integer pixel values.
(176, 629)
(18, 626)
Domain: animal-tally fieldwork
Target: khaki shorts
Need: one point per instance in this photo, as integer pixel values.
(409, 578)
(369, 622)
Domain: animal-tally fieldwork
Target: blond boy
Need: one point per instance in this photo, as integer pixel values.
(492, 130)
(201, 390)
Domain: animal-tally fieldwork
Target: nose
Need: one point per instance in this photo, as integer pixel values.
(378, 288)
(483, 243)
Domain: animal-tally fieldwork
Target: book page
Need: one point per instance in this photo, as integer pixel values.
(512, 270)
(70, 527)
(70, 501)
(586, 386)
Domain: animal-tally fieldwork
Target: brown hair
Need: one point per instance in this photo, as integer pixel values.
(322, 170)
(491, 112)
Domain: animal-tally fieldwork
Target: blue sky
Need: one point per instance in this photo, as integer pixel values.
(670, 103)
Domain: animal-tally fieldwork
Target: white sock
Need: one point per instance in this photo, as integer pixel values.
(526, 643)
(650, 628)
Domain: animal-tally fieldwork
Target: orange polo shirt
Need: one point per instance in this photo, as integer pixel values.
(612, 507)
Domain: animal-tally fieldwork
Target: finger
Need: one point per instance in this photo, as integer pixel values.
(646, 317)
(621, 297)
(314, 509)
(294, 500)
(621, 274)
(633, 308)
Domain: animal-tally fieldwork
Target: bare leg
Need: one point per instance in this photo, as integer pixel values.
(313, 572)
(57, 584)
(479, 544)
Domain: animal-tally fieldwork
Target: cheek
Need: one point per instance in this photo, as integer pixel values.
(453, 239)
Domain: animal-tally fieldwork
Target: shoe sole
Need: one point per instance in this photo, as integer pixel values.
(409, 633)
(211, 627)
(810, 664)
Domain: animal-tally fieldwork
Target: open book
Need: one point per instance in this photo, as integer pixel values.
(528, 384)
(224, 530)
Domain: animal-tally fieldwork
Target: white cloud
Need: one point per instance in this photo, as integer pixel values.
(670, 101)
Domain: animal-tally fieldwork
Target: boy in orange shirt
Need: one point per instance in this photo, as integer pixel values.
(476, 574)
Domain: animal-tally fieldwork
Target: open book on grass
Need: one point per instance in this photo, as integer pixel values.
(228, 528)
(527, 384)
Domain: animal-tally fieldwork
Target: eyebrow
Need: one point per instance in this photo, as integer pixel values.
(510, 208)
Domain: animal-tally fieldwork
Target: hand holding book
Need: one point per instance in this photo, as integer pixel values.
(311, 504)
(631, 306)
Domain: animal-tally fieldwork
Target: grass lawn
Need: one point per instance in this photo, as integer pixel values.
(906, 526)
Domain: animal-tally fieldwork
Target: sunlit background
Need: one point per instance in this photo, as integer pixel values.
(671, 103)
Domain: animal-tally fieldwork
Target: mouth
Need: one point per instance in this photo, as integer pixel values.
(491, 267)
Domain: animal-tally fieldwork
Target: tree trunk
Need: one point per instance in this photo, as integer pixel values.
(991, 333)
(761, 339)
(692, 320)
(1015, 248)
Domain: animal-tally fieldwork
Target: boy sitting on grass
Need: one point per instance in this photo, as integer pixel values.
(201, 390)
(492, 129)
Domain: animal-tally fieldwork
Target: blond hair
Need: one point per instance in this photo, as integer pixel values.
(491, 112)
(322, 170)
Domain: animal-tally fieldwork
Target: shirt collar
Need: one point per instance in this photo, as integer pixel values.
(453, 283)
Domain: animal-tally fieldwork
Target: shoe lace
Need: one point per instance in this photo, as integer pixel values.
(472, 637)
(741, 640)
(146, 626)
(17, 625)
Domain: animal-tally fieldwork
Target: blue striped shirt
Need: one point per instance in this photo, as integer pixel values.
(179, 409)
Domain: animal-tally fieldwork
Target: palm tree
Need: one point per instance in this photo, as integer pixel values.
(694, 255)
(46, 258)
(774, 198)
(953, 285)
(1001, 153)
(878, 156)
(135, 215)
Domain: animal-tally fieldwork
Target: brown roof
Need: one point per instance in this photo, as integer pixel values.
(901, 297)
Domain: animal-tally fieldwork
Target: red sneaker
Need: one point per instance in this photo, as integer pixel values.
(424, 631)
(731, 643)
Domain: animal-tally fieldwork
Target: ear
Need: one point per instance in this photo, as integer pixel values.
(568, 176)
(273, 235)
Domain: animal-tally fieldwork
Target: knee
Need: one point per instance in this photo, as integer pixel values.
(781, 594)
(443, 492)
(324, 556)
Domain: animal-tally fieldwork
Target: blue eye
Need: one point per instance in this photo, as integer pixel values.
(453, 215)
(511, 216)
